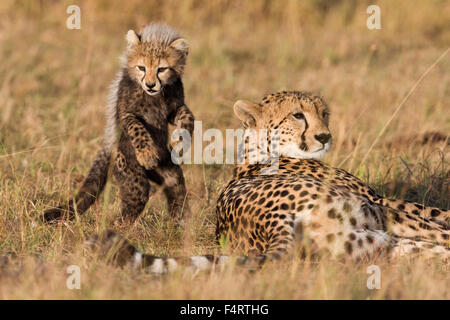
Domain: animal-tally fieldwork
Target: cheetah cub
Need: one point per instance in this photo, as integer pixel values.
(145, 97)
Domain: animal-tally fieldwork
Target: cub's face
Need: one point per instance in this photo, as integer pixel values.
(153, 65)
(299, 118)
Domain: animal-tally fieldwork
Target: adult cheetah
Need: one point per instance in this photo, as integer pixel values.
(304, 200)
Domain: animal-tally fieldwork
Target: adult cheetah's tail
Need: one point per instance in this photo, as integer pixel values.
(436, 215)
(120, 252)
(90, 190)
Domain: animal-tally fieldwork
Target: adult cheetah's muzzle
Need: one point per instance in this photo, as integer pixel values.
(323, 137)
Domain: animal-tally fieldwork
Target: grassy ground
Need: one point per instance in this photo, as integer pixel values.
(52, 102)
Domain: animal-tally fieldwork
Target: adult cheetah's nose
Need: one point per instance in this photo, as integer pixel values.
(323, 137)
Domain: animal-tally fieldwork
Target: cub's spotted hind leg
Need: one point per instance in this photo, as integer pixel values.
(170, 177)
(134, 186)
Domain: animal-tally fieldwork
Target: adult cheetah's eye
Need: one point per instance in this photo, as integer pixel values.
(141, 68)
(299, 116)
(162, 69)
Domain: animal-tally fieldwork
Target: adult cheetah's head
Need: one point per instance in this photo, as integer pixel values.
(300, 117)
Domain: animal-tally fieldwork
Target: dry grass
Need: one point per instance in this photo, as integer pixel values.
(52, 96)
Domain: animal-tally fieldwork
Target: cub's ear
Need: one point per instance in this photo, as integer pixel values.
(181, 45)
(132, 38)
(248, 112)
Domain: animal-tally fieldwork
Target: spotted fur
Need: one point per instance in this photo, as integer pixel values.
(145, 98)
(307, 203)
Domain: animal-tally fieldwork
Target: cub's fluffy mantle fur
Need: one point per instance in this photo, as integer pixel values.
(145, 97)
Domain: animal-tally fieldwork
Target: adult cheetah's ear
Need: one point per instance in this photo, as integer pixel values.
(132, 38)
(248, 112)
(181, 45)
